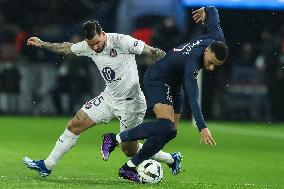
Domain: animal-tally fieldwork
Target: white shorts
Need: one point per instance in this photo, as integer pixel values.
(103, 108)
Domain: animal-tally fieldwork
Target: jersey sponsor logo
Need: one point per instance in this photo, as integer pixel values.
(115, 80)
(187, 47)
(108, 74)
(113, 53)
(135, 43)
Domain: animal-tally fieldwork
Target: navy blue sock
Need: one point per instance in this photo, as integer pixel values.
(160, 127)
(152, 146)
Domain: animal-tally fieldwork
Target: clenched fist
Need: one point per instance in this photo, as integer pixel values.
(35, 41)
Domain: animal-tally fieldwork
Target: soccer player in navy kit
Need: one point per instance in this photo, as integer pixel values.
(163, 84)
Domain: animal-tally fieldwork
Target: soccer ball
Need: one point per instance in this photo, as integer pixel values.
(150, 171)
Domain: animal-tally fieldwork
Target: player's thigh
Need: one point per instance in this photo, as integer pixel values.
(159, 97)
(129, 120)
(98, 110)
(164, 111)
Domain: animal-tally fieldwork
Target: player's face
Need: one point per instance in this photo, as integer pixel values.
(98, 42)
(210, 60)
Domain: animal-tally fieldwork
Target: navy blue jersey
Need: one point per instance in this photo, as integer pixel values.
(182, 63)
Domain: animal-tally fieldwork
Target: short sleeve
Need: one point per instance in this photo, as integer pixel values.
(79, 48)
(131, 44)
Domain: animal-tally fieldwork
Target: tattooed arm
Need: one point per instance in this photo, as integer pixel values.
(155, 53)
(60, 48)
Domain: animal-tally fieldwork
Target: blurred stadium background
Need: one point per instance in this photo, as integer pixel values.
(36, 82)
(248, 88)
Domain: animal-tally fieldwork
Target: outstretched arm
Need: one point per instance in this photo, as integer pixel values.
(60, 48)
(193, 96)
(191, 88)
(155, 53)
(208, 16)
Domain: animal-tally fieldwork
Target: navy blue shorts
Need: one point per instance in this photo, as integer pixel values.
(161, 91)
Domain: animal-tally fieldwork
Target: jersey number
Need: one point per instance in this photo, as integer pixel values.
(96, 101)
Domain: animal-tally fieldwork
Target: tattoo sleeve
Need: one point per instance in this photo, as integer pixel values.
(155, 53)
(60, 48)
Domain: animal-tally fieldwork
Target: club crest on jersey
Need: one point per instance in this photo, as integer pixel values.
(113, 53)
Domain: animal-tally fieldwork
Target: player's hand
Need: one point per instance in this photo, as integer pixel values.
(199, 15)
(206, 137)
(35, 41)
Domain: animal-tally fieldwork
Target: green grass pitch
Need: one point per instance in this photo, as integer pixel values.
(247, 155)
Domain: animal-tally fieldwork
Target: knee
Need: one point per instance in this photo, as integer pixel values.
(129, 149)
(168, 126)
(75, 125)
(172, 135)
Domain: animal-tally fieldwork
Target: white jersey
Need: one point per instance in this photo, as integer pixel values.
(117, 64)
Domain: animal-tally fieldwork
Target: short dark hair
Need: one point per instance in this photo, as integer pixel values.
(219, 49)
(90, 29)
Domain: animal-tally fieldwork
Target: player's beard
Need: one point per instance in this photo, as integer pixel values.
(101, 49)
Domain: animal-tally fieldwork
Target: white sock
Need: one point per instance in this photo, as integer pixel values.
(130, 164)
(65, 142)
(160, 156)
(118, 139)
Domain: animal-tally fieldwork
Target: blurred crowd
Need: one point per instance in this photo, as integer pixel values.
(249, 87)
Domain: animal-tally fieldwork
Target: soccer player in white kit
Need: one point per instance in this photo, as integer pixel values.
(114, 55)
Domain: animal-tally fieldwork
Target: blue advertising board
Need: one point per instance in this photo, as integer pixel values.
(239, 4)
